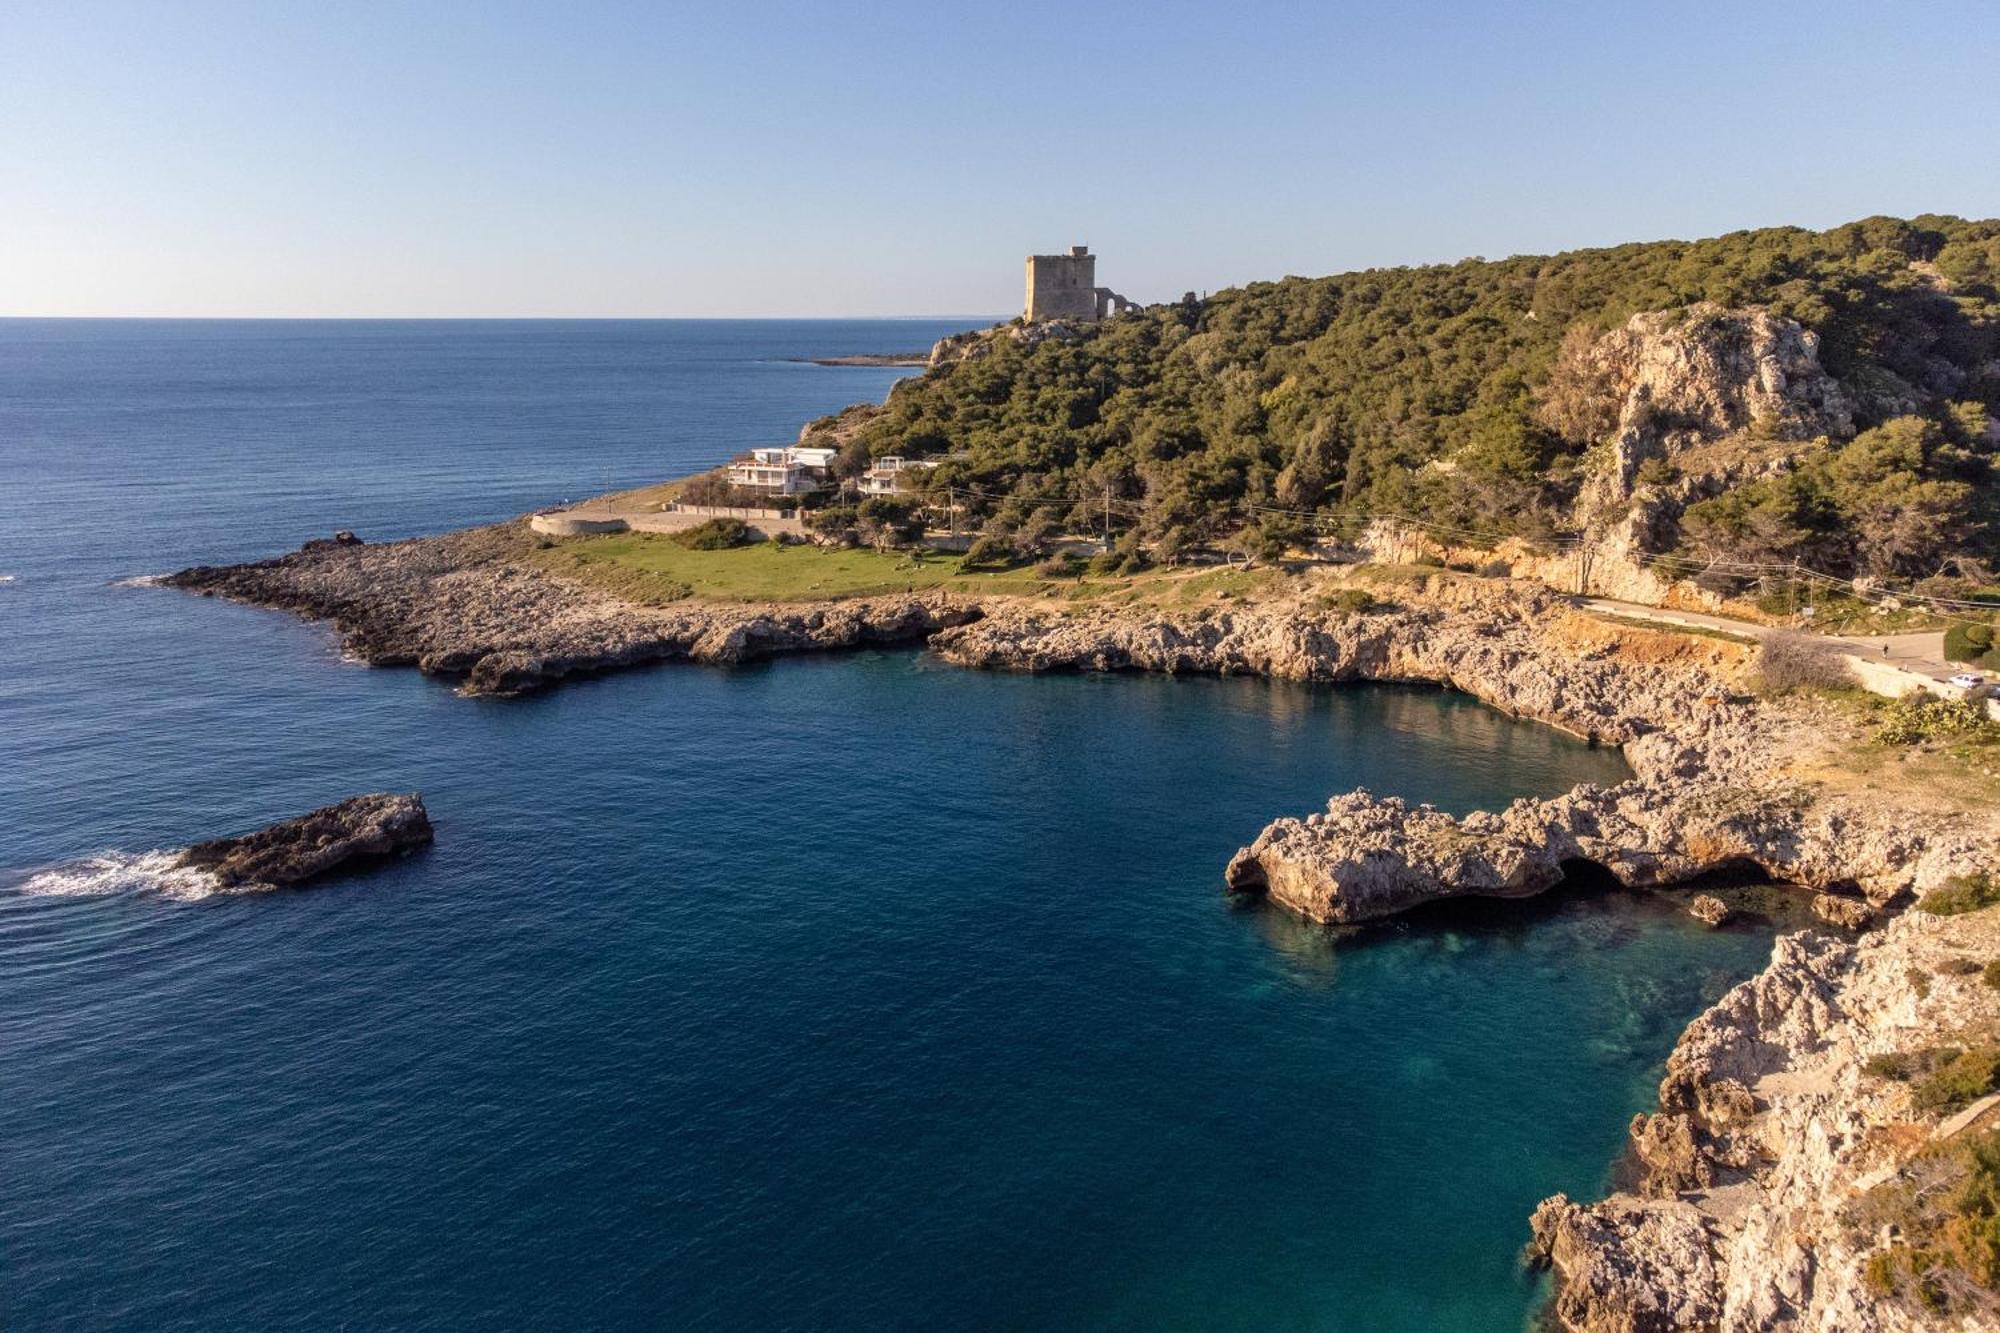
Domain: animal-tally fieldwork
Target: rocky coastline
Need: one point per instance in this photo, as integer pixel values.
(460, 605)
(1784, 1179)
(1741, 1220)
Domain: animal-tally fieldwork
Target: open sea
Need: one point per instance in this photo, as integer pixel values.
(850, 992)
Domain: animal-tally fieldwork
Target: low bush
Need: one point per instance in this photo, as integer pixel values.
(1893, 1065)
(1961, 893)
(1960, 1081)
(993, 552)
(1919, 716)
(1991, 976)
(717, 534)
(1062, 565)
(1787, 662)
(1967, 643)
(1352, 601)
(1973, 1233)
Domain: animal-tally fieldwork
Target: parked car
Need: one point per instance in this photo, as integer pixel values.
(1968, 680)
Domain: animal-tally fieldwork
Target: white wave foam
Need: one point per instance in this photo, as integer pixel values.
(123, 872)
(139, 581)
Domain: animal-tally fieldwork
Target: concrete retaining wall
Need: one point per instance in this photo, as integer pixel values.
(762, 529)
(569, 525)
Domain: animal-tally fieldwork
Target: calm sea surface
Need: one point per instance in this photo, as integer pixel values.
(855, 992)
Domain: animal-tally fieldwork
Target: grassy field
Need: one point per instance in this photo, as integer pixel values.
(655, 570)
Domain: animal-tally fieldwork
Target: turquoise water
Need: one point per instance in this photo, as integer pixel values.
(847, 992)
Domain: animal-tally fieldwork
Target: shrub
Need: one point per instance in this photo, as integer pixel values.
(1352, 601)
(1787, 662)
(1960, 1081)
(1918, 716)
(1967, 643)
(1893, 1065)
(833, 525)
(1961, 893)
(717, 534)
(1657, 471)
(1973, 1234)
(1991, 976)
(1062, 565)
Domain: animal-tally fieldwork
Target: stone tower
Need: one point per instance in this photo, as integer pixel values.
(1063, 286)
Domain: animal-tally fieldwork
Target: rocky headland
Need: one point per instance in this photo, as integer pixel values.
(466, 605)
(348, 835)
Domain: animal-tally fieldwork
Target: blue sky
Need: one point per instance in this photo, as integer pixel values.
(358, 158)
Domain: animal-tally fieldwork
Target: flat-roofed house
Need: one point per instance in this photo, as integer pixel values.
(884, 474)
(782, 470)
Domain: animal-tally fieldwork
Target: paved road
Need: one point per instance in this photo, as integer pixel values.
(1921, 653)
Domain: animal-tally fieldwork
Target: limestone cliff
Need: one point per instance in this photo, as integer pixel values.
(1790, 1182)
(1683, 380)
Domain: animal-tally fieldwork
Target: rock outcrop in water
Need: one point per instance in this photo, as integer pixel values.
(463, 605)
(351, 834)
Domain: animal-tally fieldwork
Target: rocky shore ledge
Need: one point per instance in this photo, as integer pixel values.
(458, 605)
(347, 835)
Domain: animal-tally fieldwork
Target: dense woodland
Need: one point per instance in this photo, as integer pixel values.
(1325, 397)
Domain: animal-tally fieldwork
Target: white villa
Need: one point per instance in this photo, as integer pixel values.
(881, 478)
(784, 470)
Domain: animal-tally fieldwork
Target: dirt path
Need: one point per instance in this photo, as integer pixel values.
(1921, 653)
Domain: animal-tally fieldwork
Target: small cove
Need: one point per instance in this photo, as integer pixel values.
(847, 991)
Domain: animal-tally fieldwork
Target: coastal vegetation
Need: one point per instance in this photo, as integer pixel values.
(1464, 393)
(1787, 662)
(1964, 893)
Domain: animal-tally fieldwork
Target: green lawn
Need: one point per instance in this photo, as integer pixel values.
(650, 568)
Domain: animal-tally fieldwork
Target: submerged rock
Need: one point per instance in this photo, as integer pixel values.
(1838, 910)
(1708, 909)
(350, 834)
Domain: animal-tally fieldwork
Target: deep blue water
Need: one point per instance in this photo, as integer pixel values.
(850, 992)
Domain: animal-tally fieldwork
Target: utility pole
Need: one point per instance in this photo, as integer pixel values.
(1107, 516)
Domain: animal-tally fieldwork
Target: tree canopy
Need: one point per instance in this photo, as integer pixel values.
(1429, 391)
